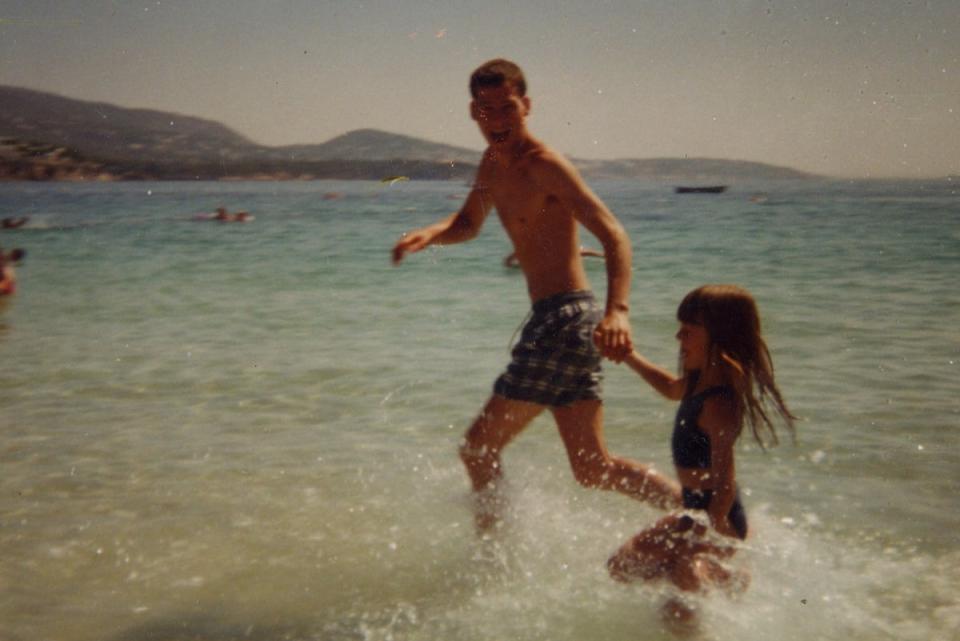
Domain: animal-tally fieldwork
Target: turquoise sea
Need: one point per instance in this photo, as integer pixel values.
(248, 431)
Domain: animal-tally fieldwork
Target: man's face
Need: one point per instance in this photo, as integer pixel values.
(501, 114)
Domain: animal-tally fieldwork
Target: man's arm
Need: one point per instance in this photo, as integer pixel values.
(456, 228)
(561, 179)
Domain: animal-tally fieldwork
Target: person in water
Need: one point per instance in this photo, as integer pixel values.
(14, 223)
(727, 380)
(541, 201)
(224, 216)
(8, 278)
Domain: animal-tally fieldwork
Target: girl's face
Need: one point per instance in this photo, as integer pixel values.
(694, 346)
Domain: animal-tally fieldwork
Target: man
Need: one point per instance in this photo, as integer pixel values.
(540, 200)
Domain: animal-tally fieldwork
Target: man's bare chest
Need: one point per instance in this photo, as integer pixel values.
(519, 202)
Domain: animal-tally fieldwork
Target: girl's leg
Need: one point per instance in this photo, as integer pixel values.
(649, 555)
(701, 571)
(676, 548)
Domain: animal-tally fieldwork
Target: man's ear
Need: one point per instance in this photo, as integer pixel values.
(474, 111)
(526, 103)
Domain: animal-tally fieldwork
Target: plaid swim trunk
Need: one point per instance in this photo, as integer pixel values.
(555, 362)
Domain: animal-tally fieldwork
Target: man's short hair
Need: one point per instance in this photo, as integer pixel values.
(498, 72)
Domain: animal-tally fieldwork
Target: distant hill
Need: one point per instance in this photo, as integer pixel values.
(703, 170)
(86, 139)
(109, 133)
(367, 144)
(143, 143)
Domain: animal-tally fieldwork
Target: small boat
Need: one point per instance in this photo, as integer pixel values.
(709, 189)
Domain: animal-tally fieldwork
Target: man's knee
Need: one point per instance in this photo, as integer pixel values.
(471, 451)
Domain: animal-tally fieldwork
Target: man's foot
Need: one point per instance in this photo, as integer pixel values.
(489, 510)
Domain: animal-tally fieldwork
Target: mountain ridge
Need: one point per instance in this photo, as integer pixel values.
(105, 141)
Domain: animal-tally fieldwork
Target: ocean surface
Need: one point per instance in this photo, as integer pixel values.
(249, 431)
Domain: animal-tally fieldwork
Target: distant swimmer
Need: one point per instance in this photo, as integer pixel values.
(511, 259)
(14, 223)
(8, 278)
(222, 215)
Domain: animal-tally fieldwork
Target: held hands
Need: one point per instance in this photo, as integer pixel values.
(612, 336)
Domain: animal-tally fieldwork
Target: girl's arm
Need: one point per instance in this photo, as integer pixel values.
(719, 420)
(658, 378)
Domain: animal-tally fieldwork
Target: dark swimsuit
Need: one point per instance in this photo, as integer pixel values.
(691, 449)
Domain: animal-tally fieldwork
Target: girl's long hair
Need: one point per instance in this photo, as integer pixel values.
(729, 314)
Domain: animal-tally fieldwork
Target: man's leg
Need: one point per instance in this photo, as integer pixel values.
(581, 428)
(500, 421)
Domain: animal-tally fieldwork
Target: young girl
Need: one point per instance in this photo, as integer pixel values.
(726, 381)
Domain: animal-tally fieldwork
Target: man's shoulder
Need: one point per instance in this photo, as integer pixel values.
(543, 154)
(550, 165)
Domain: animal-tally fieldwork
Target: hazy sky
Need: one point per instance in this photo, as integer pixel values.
(858, 88)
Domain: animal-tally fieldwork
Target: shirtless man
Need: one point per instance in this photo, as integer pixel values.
(540, 199)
